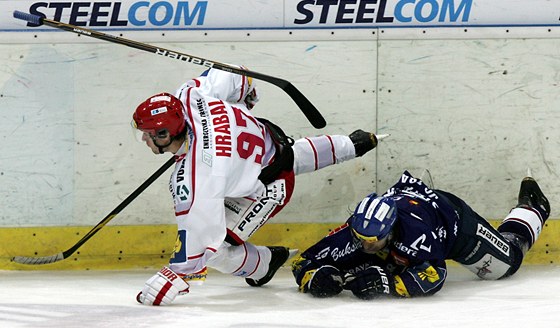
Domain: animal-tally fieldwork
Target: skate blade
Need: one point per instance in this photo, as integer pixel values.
(382, 136)
(293, 252)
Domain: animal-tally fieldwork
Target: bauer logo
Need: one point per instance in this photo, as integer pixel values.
(185, 58)
(493, 239)
(123, 14)
(378, 12)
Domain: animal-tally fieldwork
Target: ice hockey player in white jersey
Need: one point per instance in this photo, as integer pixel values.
(233, 173)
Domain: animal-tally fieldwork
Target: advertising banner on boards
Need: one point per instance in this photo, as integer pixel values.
(281, 14)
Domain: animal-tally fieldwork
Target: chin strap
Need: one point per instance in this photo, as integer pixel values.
(160, 148)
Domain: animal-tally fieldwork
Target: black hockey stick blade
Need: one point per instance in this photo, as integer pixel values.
(308, 109)
(63, 255)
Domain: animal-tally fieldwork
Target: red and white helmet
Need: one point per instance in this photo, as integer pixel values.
(160, 115)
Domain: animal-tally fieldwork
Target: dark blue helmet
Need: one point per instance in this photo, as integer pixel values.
(374, 217)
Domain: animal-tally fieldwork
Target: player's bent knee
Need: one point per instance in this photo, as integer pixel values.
(517, 255)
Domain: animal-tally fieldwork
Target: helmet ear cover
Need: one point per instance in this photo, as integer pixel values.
(162, 133)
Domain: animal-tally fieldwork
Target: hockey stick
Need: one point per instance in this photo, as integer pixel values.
(308, 109)
(63, 255)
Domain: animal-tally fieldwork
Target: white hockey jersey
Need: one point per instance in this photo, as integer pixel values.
(226, 151)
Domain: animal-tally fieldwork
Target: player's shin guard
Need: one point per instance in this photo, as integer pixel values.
(519, 246)
(526, 220)
(523, 223)
(242, 261)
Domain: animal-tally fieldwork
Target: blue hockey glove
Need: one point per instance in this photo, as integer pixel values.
(369, 283)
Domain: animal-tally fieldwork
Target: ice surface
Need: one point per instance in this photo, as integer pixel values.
(531, 298)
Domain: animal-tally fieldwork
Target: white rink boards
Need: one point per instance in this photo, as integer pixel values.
(475, 112)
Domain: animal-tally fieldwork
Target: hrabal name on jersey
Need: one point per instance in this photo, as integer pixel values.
(116, 14)
(382, 11)
(221, 128)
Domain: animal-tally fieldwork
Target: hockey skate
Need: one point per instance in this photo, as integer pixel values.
(279, 256)
(363, 141)
(531, 197)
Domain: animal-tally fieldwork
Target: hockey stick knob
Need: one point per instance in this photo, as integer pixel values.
(34, 19)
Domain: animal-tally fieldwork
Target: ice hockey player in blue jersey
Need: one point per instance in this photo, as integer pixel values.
(396, 244)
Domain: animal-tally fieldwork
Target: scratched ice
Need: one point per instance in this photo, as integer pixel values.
(531, 298)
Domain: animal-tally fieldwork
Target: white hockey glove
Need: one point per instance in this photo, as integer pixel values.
(162, 288)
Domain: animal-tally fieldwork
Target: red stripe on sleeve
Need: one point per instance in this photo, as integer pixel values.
(213, 250)
(332, 149)
(314, 153)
